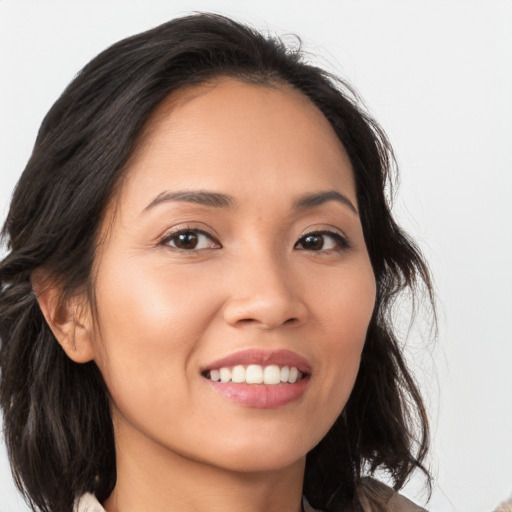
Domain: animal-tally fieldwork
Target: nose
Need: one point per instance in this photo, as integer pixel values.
(264, 295)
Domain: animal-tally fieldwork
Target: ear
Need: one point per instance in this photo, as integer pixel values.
(70, 321)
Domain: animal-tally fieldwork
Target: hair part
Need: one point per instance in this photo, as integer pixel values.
(57, 420)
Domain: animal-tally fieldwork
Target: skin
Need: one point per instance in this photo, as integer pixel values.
(164, 313)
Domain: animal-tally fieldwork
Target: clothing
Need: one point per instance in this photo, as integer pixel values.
(88, 503)
(396, 503)
(505, 506)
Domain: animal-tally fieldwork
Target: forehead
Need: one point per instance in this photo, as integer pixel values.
(230, 134)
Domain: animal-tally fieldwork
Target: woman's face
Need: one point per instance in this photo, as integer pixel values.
(233, 251)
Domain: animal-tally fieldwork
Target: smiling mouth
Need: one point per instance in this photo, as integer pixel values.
(261, 379)
(271, 375)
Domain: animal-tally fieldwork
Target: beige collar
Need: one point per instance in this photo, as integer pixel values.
(89, 503)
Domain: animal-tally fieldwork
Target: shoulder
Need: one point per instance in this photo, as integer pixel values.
(370, 490)
(87, 503)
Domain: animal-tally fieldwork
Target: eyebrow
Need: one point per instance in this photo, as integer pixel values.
(214, 199)
(307, 201)
(219, 200)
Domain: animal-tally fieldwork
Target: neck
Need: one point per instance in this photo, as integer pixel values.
(152, 478)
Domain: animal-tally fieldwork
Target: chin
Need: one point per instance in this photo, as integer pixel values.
(260, 463)
(259, 453)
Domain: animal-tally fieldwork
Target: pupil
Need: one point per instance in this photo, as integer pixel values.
(314, 242)
(187, 240)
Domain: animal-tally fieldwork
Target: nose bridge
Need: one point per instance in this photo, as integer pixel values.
(263, 289)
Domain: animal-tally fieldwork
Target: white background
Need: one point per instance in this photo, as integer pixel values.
(437, 75)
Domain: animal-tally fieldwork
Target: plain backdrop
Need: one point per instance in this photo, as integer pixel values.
(437, 75)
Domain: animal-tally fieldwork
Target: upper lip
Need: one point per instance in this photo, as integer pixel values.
(262, 357)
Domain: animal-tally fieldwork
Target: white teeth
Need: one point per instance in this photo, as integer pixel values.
(225, 374)
(256, 374)
(238, 374)
(272, 374)
(294, 374)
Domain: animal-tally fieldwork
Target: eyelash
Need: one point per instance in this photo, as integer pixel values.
(341, 242)
(173, 235)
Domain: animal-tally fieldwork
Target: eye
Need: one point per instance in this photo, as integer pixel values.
(322, 241)
(190, 240)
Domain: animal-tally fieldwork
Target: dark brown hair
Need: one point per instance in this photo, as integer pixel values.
(56, 413)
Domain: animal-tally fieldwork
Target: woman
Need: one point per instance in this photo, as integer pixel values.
(194, 308)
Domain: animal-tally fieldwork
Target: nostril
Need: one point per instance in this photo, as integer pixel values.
(291, 321)
(265, 311)
(246, 320)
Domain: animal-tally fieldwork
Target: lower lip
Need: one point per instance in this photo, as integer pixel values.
(261, 396)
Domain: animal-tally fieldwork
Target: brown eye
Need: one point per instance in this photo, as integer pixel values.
(186, 240)
(322, 241)
(190, 240)
(313, 242)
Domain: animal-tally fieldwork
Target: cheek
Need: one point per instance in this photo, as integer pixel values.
(344, 304)
(145, 301)
(150, 323)
(343, 315)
